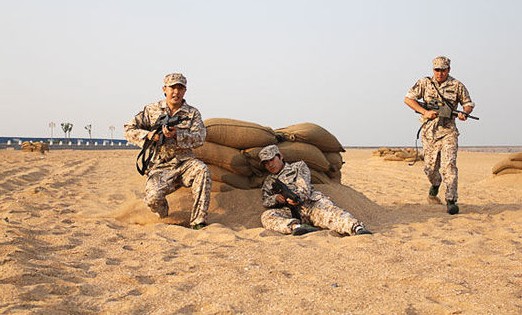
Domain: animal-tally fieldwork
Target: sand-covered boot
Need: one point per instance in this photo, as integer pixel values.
(432, 195)
(361, 230)
(452, 207)
(198, 226)
(301, 229)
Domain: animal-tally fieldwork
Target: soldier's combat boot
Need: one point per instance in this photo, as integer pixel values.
(198, 226)
(452, 207)
(434, 190)
(361, 230)
(301, 229)
(162, 213)
(432, 195)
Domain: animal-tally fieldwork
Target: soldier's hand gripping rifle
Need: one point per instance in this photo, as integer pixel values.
(149, 147)
(444, 110)
(279, 187)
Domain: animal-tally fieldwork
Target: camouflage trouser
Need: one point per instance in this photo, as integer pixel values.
(322, 213)
(165, 180)
(441, 154)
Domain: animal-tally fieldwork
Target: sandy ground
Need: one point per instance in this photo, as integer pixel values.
(75, 238)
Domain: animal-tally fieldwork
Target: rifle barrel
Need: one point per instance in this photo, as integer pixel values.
(467, 115)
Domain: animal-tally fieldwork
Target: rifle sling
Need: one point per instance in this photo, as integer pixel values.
(149, 146)
(440, 94)
(416, 146)
(419, 131)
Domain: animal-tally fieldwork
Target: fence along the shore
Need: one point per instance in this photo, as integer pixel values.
(72, 143)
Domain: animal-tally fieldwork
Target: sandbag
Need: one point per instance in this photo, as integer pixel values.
(517, 156)
(320, 167)
(228, 158)
(238, 134)
(399, 154)
(382, 151)
(335, 159)
(393, 158)
(405, 154)
(41, 147)
(257, 181)
(219, 174)
(310, 154)
(28, 146)
(336, 164)
(312, 134)
(293, 152)
(319, 177)
(505, 164)
(509, 171)
(251, 154)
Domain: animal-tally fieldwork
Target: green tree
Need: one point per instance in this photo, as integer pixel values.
(67, 127)
(89, 130)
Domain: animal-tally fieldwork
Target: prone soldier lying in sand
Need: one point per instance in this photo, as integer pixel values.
(295, 207)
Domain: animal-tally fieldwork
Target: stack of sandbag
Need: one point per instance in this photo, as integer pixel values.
(316, 146)
(512, 164)
(398, 154)
(232, 146)
(28, 146)
(222, 151)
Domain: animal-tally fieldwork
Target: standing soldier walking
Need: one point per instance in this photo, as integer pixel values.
(439, 130)
(173, 164)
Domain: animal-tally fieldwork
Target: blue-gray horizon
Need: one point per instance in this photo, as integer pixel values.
(343, 65)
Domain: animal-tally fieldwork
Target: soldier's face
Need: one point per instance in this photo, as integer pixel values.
(274, 165)
(175, 94)
(441, 75)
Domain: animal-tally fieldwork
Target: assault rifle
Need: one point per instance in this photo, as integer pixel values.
(444, 110)
(279, 187)
(149, 147)
(167, 121)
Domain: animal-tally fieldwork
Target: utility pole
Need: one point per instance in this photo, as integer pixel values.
(52, 125)
(112, 128)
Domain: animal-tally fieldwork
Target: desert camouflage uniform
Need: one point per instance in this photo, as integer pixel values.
(174, 164)
(440, 135)
(317, 209)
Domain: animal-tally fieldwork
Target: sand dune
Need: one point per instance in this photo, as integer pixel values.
(76, 238)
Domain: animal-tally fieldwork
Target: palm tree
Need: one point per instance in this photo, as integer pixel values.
(89, 129)
(67, 127)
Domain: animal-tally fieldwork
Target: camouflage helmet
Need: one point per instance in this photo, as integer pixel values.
(175, 78)
(441, 62)
(268, 153)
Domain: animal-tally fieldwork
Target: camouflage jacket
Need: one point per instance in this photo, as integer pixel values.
(453, 91)
(297, 177)
(190, 133)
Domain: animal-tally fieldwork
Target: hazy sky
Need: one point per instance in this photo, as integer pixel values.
(345, 65)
